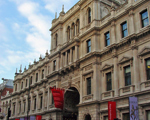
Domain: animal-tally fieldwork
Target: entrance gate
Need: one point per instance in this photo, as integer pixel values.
(71, 100)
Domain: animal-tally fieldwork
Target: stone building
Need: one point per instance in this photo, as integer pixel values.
(100, 51)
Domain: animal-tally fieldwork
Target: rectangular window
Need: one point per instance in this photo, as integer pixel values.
(52, 100)
(21, 85)
(107, 39)
(36, 77)
(148, 115)
(26, 82)
(14, 109)
(24, 106)
(42, 74)
(34, 103)
(54, 65)
(41, 102)
(124, 29)
(31, 80)
(144, 18)
(108, 77)
(88, 86)
(105, 117)
(88, 46)
(148, 68)
(127, 75)
(126, 116)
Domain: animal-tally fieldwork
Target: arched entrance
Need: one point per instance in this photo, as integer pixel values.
(87, 117)
(71, 100)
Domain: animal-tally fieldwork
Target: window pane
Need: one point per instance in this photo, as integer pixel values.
(127, 69)
(148, 115)
(145, 22)
(88, 86)
(144, 15)
(124, 26)
(125, 33)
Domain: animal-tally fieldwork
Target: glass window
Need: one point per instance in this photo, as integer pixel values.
(105, 117)
(34, 103)
(88, 46)
(148, 68)
(14, 109)
(42, 74)
(144, 18)
(107, 39)
(26, 82)
(89, 15)
(36, 77)
(29, 105)
(148, 115)
(108, 77)
(21, 85)
(41, 102)
(68, 32)
(127, 75)
(88, 86)
(54, 65)
(52, 100)
(126, 116)
(31, 80)
(124, 29)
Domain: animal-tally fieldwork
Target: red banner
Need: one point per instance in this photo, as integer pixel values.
(58, 96)
(38, 117)
(111, 110)
(17, 119)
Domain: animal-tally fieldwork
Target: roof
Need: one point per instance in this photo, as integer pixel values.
(7, 83)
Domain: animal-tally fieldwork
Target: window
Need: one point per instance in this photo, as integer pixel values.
(54, 65)
(52, 100)
(41, 102)
(88, 85)
(29, 104)
(148, 115)
(56, 40)
(24, 106)
(14, 109)
(108, 77)
(68, 32)
(124, 29)
(19, 107)
(107, 39)
(34, 103)
(126, 116)
(36, 77)
(89, 15)
(88, 46)
(127, 76)
(73, 29)
(26, 82)
(31, 80)
(144, 18)
(22, 85)
(42, 73)
(16, 88)
(105, 117)
(78, 26)
(148, 68)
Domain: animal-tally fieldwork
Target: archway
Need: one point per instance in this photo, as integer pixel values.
(71, 100)
(87, 117)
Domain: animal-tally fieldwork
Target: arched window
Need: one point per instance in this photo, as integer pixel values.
(56, 40)
(68, 33)
(89, 15)
(73, 29)
(78, 26)
(87, 117)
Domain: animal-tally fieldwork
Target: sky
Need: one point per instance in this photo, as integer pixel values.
(24, 31)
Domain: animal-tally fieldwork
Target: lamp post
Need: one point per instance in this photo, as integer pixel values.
(28, 100)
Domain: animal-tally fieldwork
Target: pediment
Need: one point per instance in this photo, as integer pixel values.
(144, 51)
(106, 66)
(125, 59)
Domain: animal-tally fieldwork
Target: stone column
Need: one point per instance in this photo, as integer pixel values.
(116, 88)
(142, 73)
(39, 76)
(21, 105)
(131, 22)
(81, 85)
(43, 104)
(66, 59)
(136, 69)
(16, 109)
(48, 95)
(76, 53)
(113, 33)
(61, 61)
(70, 56)
(32, 102)
(37, 101)
(26, 104)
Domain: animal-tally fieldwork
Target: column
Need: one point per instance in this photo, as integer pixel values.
(21, 105)
(37, 101)
(70, 56)
(61, 61)
(32, 102)
(76, 53)
(57, 63)
(81, 86)
(39, 76)
(115, 76)
(142, 69)
(48, 95)
(43, 104)
(16, 109)
(136, 69)
(113, 33)
(66, 59)
(26, 104)
(33, 78)
(131, 22)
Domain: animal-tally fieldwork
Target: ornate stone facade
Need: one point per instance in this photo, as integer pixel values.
(81, 52)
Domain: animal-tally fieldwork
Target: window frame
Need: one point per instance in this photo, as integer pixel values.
(88, 85)
(54, 65)
(35, 103)
(147, 69)
(89, 15)
(36, 79)
(106, 38)
(123, 30)
(42, 74)
(110, 87)
(41, 102)
(142, 23)
(88, 46)
(127, 75)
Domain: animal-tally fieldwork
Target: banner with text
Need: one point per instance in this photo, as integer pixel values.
(133, 107)
(58, 96)
(111, 110)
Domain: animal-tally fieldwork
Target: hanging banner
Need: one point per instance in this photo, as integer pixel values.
(32, 118)
(111, 110)
(133, 107)
(21, 118)
(58, 96)
(38, 117)
(17, 119)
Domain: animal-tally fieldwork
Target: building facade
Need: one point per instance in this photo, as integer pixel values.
(100, 51)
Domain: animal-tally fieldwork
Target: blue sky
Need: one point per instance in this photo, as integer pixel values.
(24, 31)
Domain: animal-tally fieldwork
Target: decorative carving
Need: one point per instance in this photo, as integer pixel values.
(88, 67)
(88, 97)
(108, 94)
(145, 51)
(125, 59)
(106, 66)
